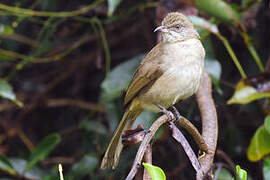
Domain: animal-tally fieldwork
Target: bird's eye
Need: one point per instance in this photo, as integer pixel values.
(178, 26)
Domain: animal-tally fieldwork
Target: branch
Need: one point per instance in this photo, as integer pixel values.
(179, 137)
(209, 122)
(75, 103)
(147, 159)
(193, 131)
(137, 162)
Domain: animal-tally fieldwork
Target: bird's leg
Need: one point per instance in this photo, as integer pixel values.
(165, 111)
(176, 114)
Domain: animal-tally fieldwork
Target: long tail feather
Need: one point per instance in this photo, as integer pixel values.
(112, 155)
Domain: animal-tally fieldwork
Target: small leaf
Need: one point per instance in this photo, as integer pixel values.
(245, 94)
(267, 123)
(5, 29)
(241, 173)
(259, 145)
(6, 91)
(43, 149)
(5, 165)
(112, 6)
(224, 174)
(266, 168)
(155, 172)
(119, 78)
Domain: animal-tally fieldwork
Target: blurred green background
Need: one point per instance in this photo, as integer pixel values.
(65, 65)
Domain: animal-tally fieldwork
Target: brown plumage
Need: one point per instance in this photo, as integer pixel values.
(170, 72)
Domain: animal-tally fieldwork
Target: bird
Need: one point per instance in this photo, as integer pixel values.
(170, 72)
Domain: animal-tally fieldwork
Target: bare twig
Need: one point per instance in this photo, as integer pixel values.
(26, 140)
(222, 155)
(75, 103)
(59, 103)
(178, 136)
(168, 116)
(147, 159)
(20, 38)
(209, 122)
(140, 153)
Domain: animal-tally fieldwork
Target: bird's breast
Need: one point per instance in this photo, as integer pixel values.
(182, 66)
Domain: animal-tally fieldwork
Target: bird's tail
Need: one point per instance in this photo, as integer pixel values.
(112, 155)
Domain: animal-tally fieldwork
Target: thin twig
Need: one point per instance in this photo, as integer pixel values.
(178, 136)
(20, 38)
(222, 155)
(252, 50)
(147, 159)
(74, 102)
(140, 153)
(26, 140)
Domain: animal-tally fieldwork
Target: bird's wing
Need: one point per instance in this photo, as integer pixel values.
(146, 74)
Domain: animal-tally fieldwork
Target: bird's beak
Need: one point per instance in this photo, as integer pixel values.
(161, 28)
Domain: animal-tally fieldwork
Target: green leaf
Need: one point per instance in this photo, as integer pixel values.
(219, 9)
(6, 91)
(112, 6)
(5, 165)
(259, 145)
(267, 123)
(266, 168)
(119, 78)
(241, 173)
(156, 173)
(224, 174)
(43, 149)
(85, 166)
(5, 29)
(245, 94)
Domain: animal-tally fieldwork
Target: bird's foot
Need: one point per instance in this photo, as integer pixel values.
(165, 111)
(176, 114)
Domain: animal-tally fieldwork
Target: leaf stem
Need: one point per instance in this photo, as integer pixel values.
(232, 54)
(252, 50)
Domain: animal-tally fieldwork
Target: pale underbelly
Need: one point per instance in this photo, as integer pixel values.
(172, 86)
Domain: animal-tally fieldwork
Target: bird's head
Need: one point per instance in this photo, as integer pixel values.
(176, 27)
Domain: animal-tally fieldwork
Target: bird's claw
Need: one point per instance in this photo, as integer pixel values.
(165, 111)
(176, 114)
